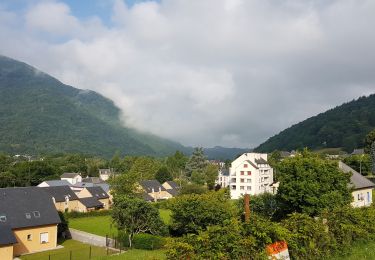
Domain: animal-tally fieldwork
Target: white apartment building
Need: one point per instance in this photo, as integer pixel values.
(250, 174)
(223, 177)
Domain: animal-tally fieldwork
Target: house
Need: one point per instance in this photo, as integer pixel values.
(358, 151)
(54, 183)
(154, 189)
(71, 177)
(97, 193)
(251, 174)
(172, 188)
(28, 221)
(361, 186)
(105, 174)
(63, 197)
(223, 177)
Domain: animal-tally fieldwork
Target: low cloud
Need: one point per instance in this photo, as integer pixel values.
(213, 72)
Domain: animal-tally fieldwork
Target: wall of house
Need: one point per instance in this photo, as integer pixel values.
(362, 198)
(105, 203)
(244, 178)
(84, 194)
(73, 180)
(6, 252)
(160, 195)
(34, 244)
(81, 207)
(71, 205)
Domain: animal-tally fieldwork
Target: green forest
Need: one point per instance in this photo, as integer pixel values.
(343, 127)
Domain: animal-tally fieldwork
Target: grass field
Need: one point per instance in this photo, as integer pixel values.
(78, 251)
(359, 251)
(136, 254)
(102, 225)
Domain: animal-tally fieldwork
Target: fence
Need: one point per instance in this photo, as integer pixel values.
(82, 253)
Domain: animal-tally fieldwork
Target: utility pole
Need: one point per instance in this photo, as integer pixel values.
(247, 207)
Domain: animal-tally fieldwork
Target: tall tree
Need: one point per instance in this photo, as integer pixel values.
(134, 216)
(197, 162)
(211, 173)
(176, 164)
(370, 148)
(163, 175)
(309, 184)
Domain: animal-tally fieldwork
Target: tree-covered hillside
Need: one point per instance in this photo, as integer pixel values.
(344, 126)
(39, 114)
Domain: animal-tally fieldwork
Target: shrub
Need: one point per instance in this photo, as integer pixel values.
(148, 241)
(75, 214)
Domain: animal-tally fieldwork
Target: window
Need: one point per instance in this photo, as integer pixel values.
(44, 238)
(242, 180)
(248, 180)
(245, 165)
(3, 218)
(28, 215)
(233, 187)
(233, 180)
(36, 214)
(248, 187)
(249, 173)
(29, 237)
(242, 172)
(242, 187)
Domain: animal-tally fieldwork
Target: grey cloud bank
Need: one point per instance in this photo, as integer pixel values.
(212, 72)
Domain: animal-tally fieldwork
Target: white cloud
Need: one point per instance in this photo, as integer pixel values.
(213, 72)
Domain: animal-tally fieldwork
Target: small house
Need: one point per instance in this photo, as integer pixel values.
(71, 177)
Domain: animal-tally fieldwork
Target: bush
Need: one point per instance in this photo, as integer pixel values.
(75, 214)
(148, 241)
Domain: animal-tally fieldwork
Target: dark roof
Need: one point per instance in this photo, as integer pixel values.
(151, 184)
(147, 197)
(173, 184)
(7, 237)
(97, 192)
(58, 183)
(60, 192)
(173, 192)
(93, 180)
(260, 161)
(357, 181)
(27, 207)
(254, 165)
(91, 202)
(69, 175)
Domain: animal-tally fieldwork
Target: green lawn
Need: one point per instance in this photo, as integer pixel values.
(102, 225)
(78, 251)
(359, 251)
(99, 225)
(136, 254)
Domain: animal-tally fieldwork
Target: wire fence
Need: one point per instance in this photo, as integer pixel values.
(82, 253)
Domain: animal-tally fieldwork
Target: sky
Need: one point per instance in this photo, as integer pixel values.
(206, 72)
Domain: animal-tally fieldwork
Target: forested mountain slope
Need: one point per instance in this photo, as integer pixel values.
(343, 126)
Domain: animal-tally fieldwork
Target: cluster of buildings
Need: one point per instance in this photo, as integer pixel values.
(251, 174)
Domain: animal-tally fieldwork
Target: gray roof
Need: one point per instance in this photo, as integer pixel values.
(254, 165)
(94, 180)
(173, 192)
(91, 202)
(260, 161)
(27, 207)
(7, 237)
(357, 181)
(358, 151)
(97, 192)
(148, 185)
(58, 183)
(69, 175)
(60, 192)
(147, 197)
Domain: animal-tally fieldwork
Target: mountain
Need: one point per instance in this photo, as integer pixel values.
(39, 114)
(344, 126)
(224, 153)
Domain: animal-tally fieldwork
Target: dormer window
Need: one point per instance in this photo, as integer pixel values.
(3, 218)
(28, 215)
(36, 214)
